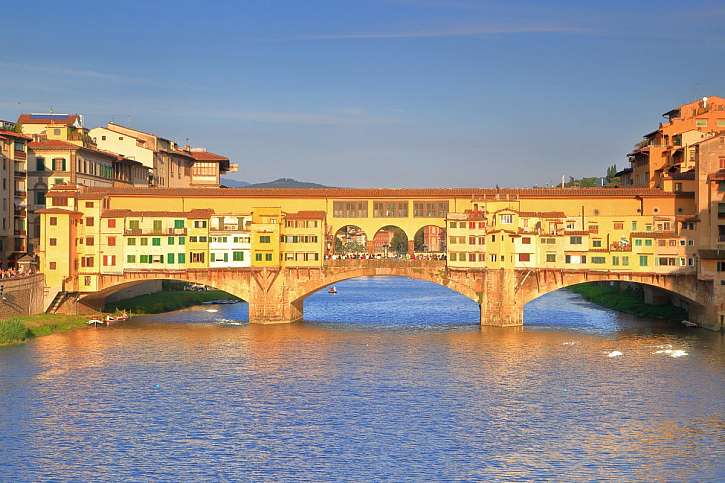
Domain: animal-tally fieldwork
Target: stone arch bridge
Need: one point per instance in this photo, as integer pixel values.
(277, 295)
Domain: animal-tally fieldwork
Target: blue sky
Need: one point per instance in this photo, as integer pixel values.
(373, 93)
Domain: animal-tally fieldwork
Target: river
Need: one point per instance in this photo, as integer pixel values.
(390, 379)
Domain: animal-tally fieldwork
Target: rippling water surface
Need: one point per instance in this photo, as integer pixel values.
(388, 379)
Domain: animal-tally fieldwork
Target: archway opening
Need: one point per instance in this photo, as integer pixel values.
(390, 242)
(350, 240)
(390, 302)
(170, 300)
(430, 241)
(608, 307)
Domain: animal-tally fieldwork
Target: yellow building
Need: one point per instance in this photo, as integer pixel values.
(303, 239)
(265, 231)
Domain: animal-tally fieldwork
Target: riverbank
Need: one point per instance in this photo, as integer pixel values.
(629, 301)
(20, 329)
(166, 301)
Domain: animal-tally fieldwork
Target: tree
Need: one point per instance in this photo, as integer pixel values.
(18, 128)
(611, 172)
(419, 241)
(399, 243)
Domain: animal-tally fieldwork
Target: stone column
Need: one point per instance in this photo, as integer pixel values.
(499, 305)
(411, 247)
(271, 301)
(370, 246)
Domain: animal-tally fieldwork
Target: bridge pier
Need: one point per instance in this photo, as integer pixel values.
(498, 302)
(271, 311)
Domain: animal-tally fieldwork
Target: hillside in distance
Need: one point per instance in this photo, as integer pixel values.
(278, 183)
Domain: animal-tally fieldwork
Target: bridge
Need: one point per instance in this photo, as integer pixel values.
(277, 295)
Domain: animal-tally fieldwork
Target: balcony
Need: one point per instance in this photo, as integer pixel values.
(21, 193)
(20, 155)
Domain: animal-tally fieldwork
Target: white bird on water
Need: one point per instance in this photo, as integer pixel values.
(614, 354)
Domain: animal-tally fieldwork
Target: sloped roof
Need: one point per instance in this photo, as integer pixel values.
(49, 118)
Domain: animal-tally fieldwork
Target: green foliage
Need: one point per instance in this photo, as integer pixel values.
(13, 331)
(629, 301)
(166, 301)
(18, 128)
(611, 172)
(399, 243)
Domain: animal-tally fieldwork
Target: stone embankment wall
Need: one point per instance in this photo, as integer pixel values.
(21, 296)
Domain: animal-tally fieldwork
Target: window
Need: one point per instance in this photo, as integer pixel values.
(597, 243)
(109, 260)
(51, 265)
(524, 257)
(350, 209)
(178, 224)
(197, 257)
(87, 280)
(90, 241)
(471, 257)
(701, 122)
(53, 221)
(634, 226)
(144, 259)
(170, 240)
(134, 225)
(89, 204)
(390, 209)
(130, 258)
(59, 164)
(204, 169)
(430, 209)
(200, 224)
(39, 164)
(575, 240)
(87, 262)
(182, 257)
(506, 219)
(53, 241)
(625, 261)
(453, 256)
(471, 240)
(238, 256)
(721, 186)
(131, 242)
(89, 221)
(112, 223)
(599, 260)
(258, 257)
(526, 240)
(156, 242)
(111, 241)
(264, 239)
(182, 240)
(637, 242)
(648, 242)
(615, 260)
(551, 257)
(40, 198)
(643, 260)
(144, 241)
(157, 226)
(169, 258)
(60, 201)
(202, 239)
(268, 257)
(618, 225)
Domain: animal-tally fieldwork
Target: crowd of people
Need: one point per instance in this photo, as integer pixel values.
(15, 272)
(380, 256)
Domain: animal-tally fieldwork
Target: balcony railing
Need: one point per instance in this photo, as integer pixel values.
(20, 154)
(162, 232)
(21, 193)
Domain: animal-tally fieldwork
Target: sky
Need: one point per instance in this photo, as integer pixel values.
(394, 93)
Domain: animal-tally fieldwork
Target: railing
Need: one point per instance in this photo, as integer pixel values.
(20, 193)
(162, 232)
(385, 263)
(20, 154)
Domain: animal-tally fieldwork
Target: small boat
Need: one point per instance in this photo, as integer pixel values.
(96, 322)
(687, 323)
(332, 290)
(112, 319)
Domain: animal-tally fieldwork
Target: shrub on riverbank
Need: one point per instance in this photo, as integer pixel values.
(630, 301)
(25, 327)
(166, 301)
(13, 331)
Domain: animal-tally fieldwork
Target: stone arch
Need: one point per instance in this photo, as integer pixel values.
(698, 294)
(350, 239)
(387, 240)
(430, 239)
(429, 271)
(232, 281)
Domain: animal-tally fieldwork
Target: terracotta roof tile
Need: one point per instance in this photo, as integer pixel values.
(206, 156)
(66, 120)
(52, 144)
(197, 213)
(15, 134)
(654, 234)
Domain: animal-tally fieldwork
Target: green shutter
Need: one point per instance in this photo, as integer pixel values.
(156, 242)
(182, 257)
(178, 223)
(182, 240)
(170, 241)
(169, 258)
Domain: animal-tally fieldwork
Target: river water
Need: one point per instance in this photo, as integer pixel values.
(389, 379)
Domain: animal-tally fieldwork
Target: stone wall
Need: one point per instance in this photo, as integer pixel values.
(22, 296)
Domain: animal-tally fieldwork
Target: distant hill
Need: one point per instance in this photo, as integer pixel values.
(234, 183)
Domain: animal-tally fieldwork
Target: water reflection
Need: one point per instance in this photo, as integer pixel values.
(420, 392)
